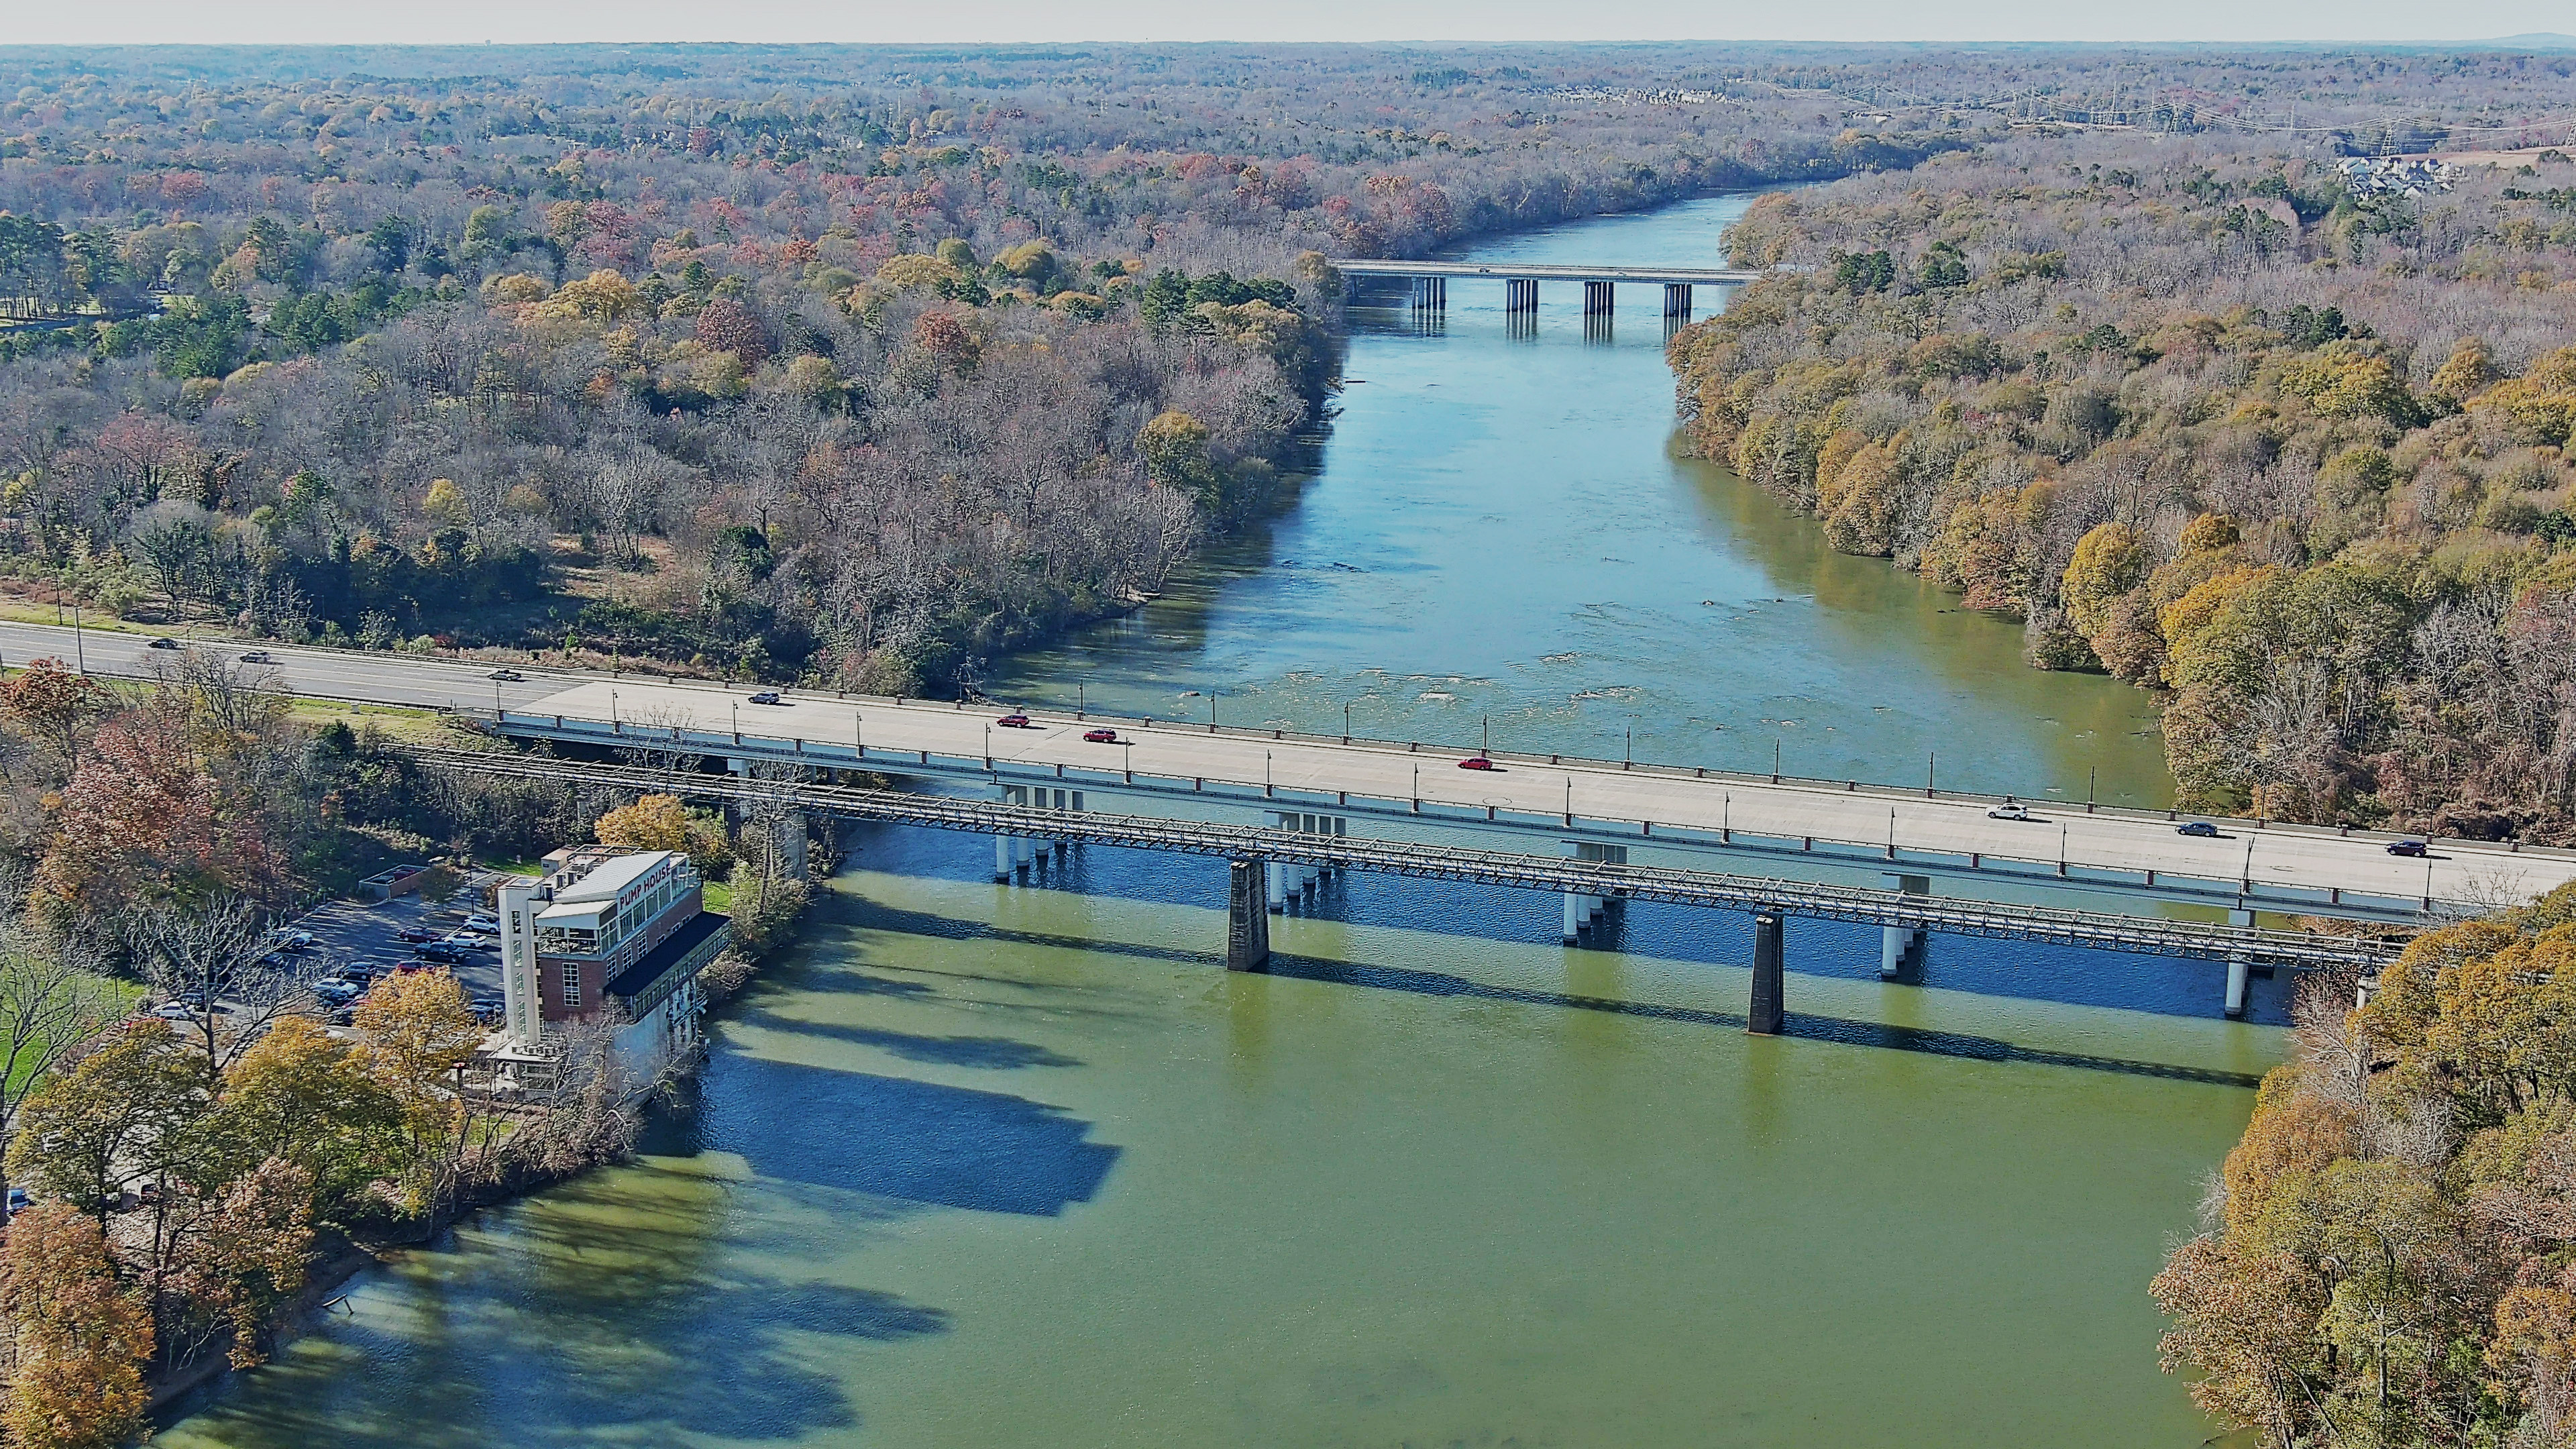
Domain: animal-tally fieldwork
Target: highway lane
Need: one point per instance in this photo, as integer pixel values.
(419, 680)
(2285, 856)
(2274, 855)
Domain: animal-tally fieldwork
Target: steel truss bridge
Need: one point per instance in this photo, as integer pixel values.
(1764, 896)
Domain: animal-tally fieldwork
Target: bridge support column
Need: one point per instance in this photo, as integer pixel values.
(1001, 858)
(1900, 948)
(1769, 1010)
(2238, 969)
(1520, 295)
(1677, 299)
(1247, 919)
(1598, 298)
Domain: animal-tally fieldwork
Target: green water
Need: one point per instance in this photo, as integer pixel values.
(1020, 1166)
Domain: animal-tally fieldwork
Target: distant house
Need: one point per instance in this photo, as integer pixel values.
(608, 933)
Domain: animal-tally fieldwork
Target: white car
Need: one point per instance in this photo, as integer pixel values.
(2010, 809)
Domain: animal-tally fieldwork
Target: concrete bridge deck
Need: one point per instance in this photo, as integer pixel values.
(1701, 814)
(1553, 272)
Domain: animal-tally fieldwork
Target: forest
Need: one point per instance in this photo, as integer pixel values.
(2278, 434)
(796, 370)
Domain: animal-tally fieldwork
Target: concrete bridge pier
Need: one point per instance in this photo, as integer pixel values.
(2238, 969)
(1677, 300)
(1001, 858)
(1599, 297)
(1247, 918)
(1520, 294)
(1582, 909)
(1430, 294)
(1768, 1011)
(1900, 948)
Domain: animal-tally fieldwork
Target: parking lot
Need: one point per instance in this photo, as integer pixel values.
(369, 934)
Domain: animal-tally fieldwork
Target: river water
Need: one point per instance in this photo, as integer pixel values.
(1021, 1166)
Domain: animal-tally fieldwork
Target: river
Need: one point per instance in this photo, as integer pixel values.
(1020, 1166)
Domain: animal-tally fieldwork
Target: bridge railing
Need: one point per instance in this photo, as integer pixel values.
(2227, 891)
(1950, 915)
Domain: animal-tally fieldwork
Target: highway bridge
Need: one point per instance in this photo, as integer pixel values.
(1896, 846)
(1430, 281)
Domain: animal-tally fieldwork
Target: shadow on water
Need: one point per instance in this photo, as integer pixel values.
(911, 1141)
(997, 1053)
(1810, 1028)
(623, 1327)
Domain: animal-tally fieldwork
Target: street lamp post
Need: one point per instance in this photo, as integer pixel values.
(988, 747)
(1081, 699)
(1346, 721)
(80, 657)
(1488, 750)
(1131, 760)
(2092, 776)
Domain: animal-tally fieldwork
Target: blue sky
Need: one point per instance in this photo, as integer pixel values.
(342, 21)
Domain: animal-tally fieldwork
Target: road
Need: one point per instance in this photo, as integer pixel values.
(2274, 856)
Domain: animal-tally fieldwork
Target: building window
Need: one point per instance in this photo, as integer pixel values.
(572, 986)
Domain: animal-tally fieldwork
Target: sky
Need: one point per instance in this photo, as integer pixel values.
(507, 21)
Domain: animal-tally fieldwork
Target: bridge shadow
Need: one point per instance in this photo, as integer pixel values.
(1433, 983)
(1800, 1025)
(996, 1053)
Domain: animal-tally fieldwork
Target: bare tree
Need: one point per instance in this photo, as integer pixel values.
(219, 961)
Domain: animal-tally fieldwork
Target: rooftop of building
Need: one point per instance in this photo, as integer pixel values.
(649, 968)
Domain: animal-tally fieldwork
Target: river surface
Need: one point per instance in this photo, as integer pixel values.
(1021, 1166)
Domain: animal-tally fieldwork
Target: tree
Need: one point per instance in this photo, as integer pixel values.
(237, 1252)
(661, 822)
(118, 1115)
(419, 1035)
(82, 1337)
(54, 704)
(308, 1100)
(49, 1008)
(2110, 560)
(218, 955)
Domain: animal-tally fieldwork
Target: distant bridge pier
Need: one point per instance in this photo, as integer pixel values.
(1677, 300)
(1900, 948)
(2238, 968)
(1286, 880)
(1599, 297)
(1581, 909)
(1430, 294)
(1247, 917)
(1768, 1011)
(1520, 294)
(1010, 852)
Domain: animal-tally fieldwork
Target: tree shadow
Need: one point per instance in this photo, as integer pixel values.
(602, 1312)
(915, 1142)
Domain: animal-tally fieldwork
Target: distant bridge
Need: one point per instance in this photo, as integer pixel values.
(1520, 281)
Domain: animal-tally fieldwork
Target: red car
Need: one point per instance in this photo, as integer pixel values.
(1475, 762)
(1015, 722)
(1101, 737)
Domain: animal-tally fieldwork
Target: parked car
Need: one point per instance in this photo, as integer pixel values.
(468, 941)
(508, 676)
(2408, 846)
(1101, 737)
(258, 656)
(480, 922)
(337, 992)
(414, 935)
(767, 696)
(438, 951)
(295, 942)
(2196, 827)
(165, 642)
(2010, 809)
(175, 1011)
(1016, 722)
(1477, 762)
